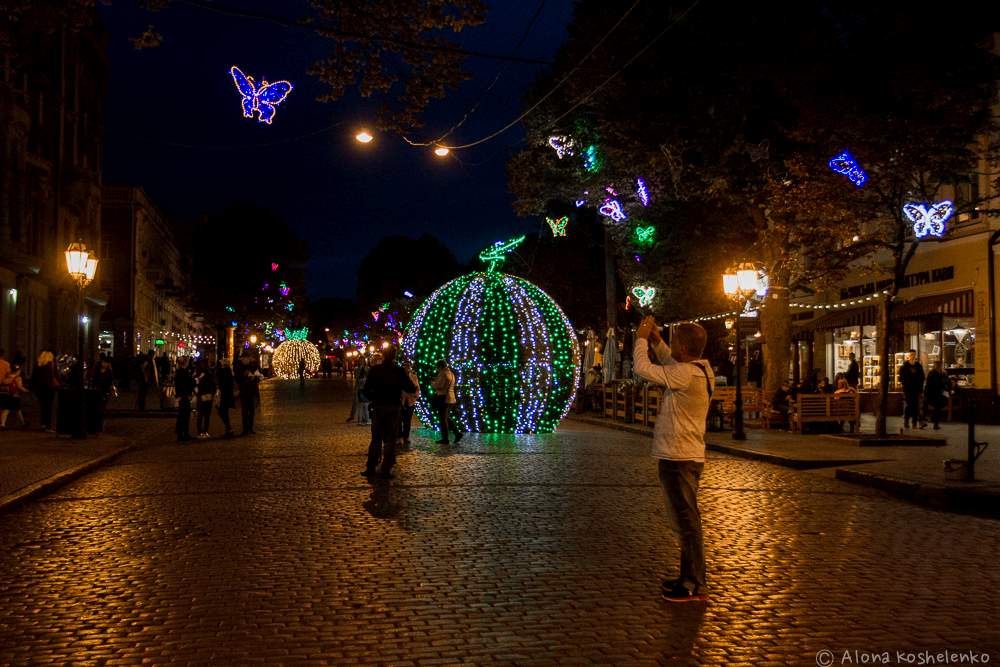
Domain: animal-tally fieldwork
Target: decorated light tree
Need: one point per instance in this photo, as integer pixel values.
(295, 348)
(513, 351)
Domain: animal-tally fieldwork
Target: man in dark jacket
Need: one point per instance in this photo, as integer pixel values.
(184, 387)
(384, 388)
(853, 374)
(911, 379)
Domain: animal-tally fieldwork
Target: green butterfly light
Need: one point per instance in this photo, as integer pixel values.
(644, 294)
(645, 235)
(558, 226)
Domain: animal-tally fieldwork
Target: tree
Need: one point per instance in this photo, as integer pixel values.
(402, 52)
(397, 264)
(238, 251)
(741, 112)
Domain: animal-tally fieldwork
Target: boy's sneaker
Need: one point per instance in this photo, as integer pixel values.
(681, 593)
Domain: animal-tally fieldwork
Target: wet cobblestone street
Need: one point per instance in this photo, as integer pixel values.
(527, 549)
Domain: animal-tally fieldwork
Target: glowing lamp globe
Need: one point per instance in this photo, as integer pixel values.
(513, 351)
(285, 360)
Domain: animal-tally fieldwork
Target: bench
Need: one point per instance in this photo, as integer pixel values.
(818, 408)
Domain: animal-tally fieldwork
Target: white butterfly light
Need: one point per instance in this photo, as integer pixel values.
(928, 219)
(612, 208)
(562, 144)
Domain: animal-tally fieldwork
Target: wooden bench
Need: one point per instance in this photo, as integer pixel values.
(816, 408)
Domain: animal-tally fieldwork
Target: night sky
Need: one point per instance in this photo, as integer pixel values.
(174, 126)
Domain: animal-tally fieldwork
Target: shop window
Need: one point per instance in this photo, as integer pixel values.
(951, 342)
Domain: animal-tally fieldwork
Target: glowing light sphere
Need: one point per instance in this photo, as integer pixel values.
(285, 361)
(513, 351)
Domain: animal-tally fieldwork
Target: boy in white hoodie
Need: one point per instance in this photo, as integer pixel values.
(679, 440)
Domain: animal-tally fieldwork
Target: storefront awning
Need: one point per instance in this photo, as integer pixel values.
(846, 317)
(958, 304)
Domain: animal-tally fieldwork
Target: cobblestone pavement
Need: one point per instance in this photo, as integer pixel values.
(528, 550)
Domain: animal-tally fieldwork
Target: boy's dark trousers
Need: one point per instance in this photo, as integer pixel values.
(680, 483)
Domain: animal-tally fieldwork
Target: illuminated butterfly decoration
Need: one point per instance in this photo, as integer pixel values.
(612, 208)
(593, 161)
(645, 234)
(759, 152)
(274, 267)
(284, 288)
(580, 202)
(563, 145)
(928, 220)
(558, 226)
(644, 294)
(262, 99)
(846, 165)
(642, 191)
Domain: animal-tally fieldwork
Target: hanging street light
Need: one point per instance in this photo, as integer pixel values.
(364, 136)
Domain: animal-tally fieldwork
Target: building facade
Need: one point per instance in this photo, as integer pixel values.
(52, 84)
(146, 277)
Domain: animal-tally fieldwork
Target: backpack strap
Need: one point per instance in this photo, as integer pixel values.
(708, 383)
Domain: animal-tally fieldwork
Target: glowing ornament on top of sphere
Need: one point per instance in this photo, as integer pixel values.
(260, 100)
(514, 354)
(285, 360)
(928, 219)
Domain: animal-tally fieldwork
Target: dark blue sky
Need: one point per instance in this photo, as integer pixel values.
(174, 126)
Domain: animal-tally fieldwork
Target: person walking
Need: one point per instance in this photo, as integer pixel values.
(146, 378)
(444, 402)
(227, 397)
(44, 382)
(911, 379)
(4, 365)
(679, 440)
(248, 380)
(409, 403)
(11, 388)
(103, 381)
(205, 385)
(184, 388)
(384, 387)
(935, 395)
(853, 374)
(363, 414)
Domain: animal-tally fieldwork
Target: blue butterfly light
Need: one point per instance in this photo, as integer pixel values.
(260, 100)
(845, 164)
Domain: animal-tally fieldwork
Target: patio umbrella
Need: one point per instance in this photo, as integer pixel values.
(610, 357)
(590, 351)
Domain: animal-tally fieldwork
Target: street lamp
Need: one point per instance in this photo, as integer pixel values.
(742, 284)
(81, 265)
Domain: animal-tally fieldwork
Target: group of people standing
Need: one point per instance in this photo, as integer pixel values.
(199, 387)
(385, 396)
(933, 388)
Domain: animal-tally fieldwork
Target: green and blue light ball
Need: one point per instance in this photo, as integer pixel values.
(513, 351)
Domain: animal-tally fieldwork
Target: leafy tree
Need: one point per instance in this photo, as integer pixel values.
(232, 254)
(398, 263)
(739, 113)
(401, 52)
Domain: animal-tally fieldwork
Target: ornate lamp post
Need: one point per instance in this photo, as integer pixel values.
(742, 284)
(82, 267)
